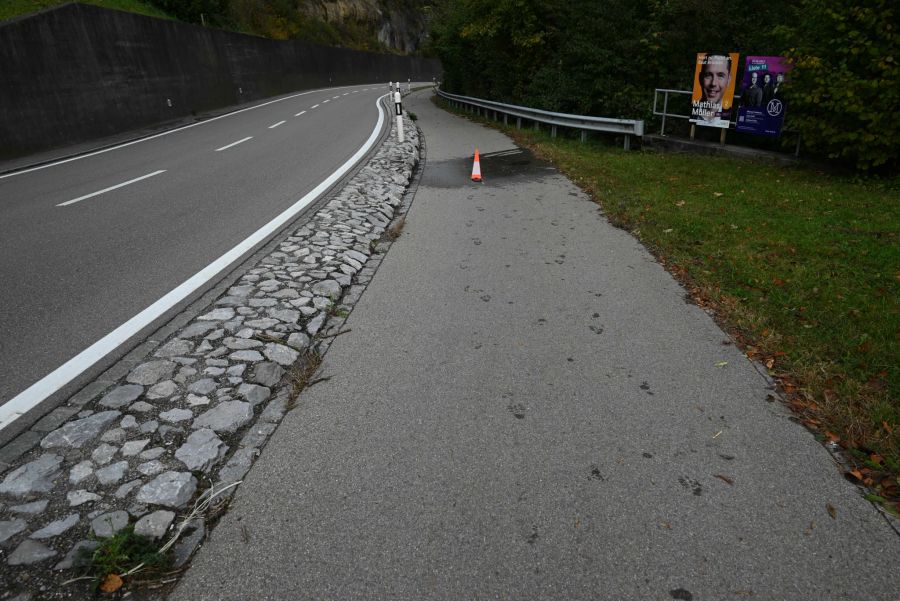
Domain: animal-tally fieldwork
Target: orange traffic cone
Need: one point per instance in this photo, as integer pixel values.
(476, 168)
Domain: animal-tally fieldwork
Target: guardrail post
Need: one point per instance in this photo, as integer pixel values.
(627, 141)
(662, 130)
(505, 119)
(518, 123)
(537, 126)
(552, 131)
(583, 136)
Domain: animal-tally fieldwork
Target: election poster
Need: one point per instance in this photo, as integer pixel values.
(715, 76)
(762, 104)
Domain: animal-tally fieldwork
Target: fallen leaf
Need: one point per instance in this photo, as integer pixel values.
(717, 194)
(680, 203)
(721, 363)
(111, 583)
(744, 593)
(831, 511)
(810, 528)
(724, 479)
(770, 363)
(856, 474)
(885, 425)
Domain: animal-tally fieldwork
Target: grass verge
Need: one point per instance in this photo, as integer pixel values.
(15, 8)
(800, 266)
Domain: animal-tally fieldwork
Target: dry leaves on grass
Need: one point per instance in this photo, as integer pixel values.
(111, 583)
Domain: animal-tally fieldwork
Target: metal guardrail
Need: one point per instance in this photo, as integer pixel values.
(584, 123)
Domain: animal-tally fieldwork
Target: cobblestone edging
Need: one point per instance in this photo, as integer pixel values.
(191, 418)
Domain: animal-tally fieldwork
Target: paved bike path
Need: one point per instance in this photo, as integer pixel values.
(527, 408)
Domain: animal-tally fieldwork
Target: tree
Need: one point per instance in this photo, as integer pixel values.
(844, 89)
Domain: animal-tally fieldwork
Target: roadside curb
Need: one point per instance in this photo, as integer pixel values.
(121, 442)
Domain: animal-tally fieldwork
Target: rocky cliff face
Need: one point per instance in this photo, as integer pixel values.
(398, 24)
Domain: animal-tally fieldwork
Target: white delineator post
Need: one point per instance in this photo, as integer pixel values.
(398, 106)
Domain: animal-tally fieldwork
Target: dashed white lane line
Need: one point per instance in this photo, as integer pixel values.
(326, 100)
(345, 94)
(227, 146)
(336, 97)
(274, 125)
(117, 186)
(300, 113)
(315, 106)
(62, 375)
(153, 137)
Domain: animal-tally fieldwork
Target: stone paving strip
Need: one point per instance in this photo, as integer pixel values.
(189, 421)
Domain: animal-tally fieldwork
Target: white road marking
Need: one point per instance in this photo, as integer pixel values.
(345, 94)
(300, 113)
(274, 125)
(326, 100)
(227, 146)
(505, 153)
(336, 97)
(117, 186)
(315, 106)
(165, 133)
(72, 368)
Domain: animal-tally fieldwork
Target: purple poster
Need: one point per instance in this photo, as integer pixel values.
(762, 105)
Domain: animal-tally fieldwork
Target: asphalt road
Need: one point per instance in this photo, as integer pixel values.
(525, 407)
(75, 264)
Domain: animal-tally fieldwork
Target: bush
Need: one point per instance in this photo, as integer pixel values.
(845, 87)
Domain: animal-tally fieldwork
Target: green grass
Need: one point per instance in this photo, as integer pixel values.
(122, 552)
(15, 8)
(802, 266)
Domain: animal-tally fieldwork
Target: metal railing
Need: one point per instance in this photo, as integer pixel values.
(584, 123)
(665, 113)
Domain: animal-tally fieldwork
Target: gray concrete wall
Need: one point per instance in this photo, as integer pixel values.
(81, 72)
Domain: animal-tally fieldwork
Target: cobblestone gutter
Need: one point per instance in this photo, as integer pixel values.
(189, 420)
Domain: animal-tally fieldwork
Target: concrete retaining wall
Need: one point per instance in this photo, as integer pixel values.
(81, 72)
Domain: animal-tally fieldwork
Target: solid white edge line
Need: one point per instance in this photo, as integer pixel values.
(99, 192)
(227, 146)
(165, 133)
(300, 113)
(274, 125)
(46, 386)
